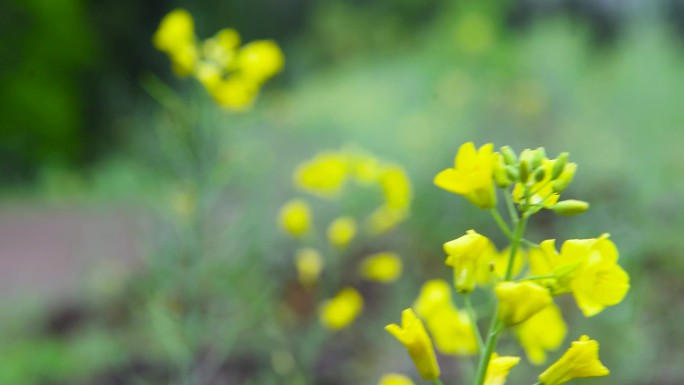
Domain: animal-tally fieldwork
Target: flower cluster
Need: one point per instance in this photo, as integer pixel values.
(326, 176)
(231, 74)
(525, 277)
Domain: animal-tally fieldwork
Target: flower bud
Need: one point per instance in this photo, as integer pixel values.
(500, 175)
(564, 179)
(524, 171)
(509, 155)
(512, 173)
(559, 165)
(538, 156)
(570, 207)
(539, 175)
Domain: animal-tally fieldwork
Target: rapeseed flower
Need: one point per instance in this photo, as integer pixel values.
(395, 379)
(340, 311)
(381, 267)
(498, 369)
(544, 331)
(309, 264)
(414, 337)
(295, 217)
(452, 330)
(580, 361)
(176, 37)
(464, 254)
(324, 175)
(472, 175)
(518, 301)
(341, 231)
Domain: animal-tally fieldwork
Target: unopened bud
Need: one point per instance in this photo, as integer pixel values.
(538, 156)
(564, 179)
(539, 175)
(559, 165)
(509, 155)
(500, 176)
(570, 207)
(512, 173)
(524, 171)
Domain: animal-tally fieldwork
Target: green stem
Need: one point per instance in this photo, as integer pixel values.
(437, 381)
(502, 224)
(473, 319)
(511, 207)
(536, 277)
(496, 325)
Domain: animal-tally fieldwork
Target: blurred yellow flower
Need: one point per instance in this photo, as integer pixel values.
(453, 331)
(295, 217)
(414, 337)
(463, 254)
(518, 301)
(365, 168)
(498, 369)
(309, 264)
(382, 267)
(235, 93)
(340, 311)
(324, 175)
(176, 37)
(384, 219)
(260, 60)
(341, 231)
(580, 361)
(472, 175)
(395, 187)
(221, 49)
(395, 379)
(544, 331)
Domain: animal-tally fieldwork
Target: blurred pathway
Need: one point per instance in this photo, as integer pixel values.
(49, 252)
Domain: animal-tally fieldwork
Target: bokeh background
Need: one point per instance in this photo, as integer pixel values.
(90, 269)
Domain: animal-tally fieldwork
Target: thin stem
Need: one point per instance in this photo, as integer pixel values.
(473, 319)
(502, 224)
(437, 381)
(496, 324)
(511, 207)
(536, 277)
(529, 243)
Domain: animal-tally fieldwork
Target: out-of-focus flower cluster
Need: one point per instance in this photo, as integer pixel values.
(524, 279)
(327, 177)
(232, 74)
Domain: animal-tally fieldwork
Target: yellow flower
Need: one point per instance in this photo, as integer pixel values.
(452, 330)
(295, 217)
(395, 187)
(580, 361)
(599, 281)
(544, 331)
(366, 168)
(309, 264)
(341, 231)
(498, 369)
(382, 267)
(176, 29)
(472, 175)
(176, 37)
(324, 175)
(260, 60)
(518, 301)
(586, 267)
(340, 311)
(236, 92)
(414, 337)
(222, 48)
(463, 254)
(395, 379)
(384, 219)
(565, 177)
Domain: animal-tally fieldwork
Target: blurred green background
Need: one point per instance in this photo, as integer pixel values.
(88, 241)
